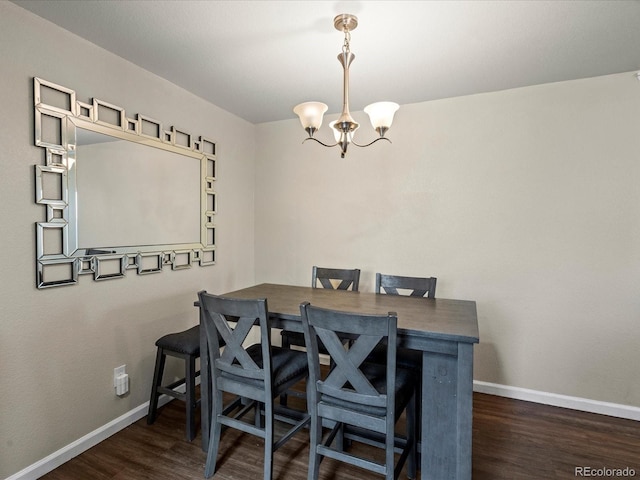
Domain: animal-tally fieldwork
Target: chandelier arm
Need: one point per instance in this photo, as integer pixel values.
(371, 143)
(321, 143)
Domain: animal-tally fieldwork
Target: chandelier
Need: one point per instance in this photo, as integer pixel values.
(311, 113)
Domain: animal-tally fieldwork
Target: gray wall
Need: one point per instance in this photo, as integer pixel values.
(526, 201)
(58, 347)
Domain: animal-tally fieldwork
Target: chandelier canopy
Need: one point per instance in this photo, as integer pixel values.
(311, 113)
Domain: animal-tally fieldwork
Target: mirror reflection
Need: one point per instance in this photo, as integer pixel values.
(132, 194)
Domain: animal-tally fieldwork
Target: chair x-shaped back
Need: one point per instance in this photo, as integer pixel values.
(234, 350)
(417, 286)
(349, 278)
(347, 366)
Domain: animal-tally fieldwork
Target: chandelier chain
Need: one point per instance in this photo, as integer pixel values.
(347, 38)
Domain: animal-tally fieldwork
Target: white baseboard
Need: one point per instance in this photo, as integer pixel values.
(91, 439)
(564, 401)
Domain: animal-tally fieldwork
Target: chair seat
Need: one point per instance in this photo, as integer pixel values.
(286, 364)
(377, 374)
(405, 358)
(187, 342)
(297, 339)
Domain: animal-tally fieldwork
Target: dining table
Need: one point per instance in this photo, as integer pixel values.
(444, 330)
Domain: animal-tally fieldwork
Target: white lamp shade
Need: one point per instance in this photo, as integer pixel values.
(381, 113)
(310, 114)
(337, 133)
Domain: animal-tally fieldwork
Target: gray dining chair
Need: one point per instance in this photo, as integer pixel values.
(406, 358)
(363, 401)
(408, 286)
(329, 278)
(254, 374)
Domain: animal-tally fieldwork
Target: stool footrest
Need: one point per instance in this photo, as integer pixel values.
(172, 393)
(177, 383)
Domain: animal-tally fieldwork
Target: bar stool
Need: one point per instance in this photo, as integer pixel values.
(184, 345)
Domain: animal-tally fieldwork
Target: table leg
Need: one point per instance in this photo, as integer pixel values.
(447, 412)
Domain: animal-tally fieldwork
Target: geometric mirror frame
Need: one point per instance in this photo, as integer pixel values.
(121, 193)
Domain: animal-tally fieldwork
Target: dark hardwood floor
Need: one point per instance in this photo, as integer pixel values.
(512, 439)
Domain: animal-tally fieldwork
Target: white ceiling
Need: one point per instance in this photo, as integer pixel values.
(258, 59)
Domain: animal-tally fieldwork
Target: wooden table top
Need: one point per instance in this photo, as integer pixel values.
(436, 318)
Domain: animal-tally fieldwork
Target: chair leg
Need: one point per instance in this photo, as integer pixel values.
(268, 439)
(412, 420)
(340, 438)
(214, 437)
(315, 440)
(285, 344)
(418, 419)
(258, 422)
(190, 397)
(157, 380)
(390, 457)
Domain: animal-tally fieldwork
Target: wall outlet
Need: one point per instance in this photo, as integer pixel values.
(121, 370)
(121, 380)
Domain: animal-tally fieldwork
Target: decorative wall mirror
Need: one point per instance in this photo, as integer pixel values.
(120, 193)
